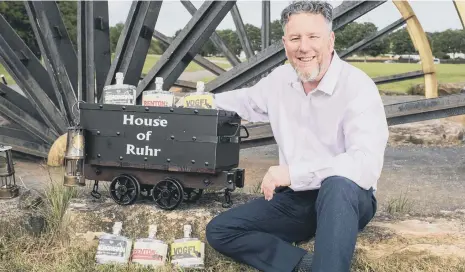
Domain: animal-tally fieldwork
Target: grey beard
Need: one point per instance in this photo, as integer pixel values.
(309, 77)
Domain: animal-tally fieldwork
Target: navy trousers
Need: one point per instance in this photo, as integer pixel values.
(260, 233)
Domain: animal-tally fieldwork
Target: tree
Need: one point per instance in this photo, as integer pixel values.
(15, 14)
(401, 42)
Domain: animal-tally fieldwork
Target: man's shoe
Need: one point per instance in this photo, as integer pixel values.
(305, 264)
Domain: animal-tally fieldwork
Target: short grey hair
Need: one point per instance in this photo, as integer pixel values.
(314, 7)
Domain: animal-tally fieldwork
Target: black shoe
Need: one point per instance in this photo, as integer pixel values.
(305, 264)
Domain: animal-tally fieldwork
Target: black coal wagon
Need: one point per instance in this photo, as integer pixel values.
(168, 154)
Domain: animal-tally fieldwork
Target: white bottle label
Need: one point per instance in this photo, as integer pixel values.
(112, 250)
(188, 253)
(157, 99)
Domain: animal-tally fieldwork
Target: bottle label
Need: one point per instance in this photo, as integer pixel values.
(149, 253)
(119, 96)
(201, 101)
(188, 253)
(157, 99)
(111, 250)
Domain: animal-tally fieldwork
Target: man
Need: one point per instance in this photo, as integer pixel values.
(329, 123)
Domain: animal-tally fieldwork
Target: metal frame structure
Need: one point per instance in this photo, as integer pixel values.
(44, 106)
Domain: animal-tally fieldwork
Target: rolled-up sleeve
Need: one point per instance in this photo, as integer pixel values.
(365, 136)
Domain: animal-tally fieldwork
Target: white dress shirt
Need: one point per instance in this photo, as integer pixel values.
(339, 128)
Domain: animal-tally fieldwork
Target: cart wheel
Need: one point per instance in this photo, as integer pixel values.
(168, 194)
(124, 189)
(192, 195)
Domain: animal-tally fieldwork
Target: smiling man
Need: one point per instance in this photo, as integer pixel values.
(330, 126)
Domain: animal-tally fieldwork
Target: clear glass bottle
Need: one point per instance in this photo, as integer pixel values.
(114, 248)
(188, 252)
(150, 251)
(200, 99)
(158, 97)
(119, 93)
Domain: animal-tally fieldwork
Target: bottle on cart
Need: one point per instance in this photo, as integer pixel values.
(158, 97)
(150, 251)
(114, 248)
(200, 99)
(188, 252)
(119, 93)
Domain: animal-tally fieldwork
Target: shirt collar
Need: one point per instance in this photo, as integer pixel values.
(329, 80)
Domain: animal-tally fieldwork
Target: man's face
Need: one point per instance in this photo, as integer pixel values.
(308, 43)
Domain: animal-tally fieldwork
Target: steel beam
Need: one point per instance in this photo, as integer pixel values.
(186, 84)
(266, 30)
(85, 41)
(15, 131)
(47, 110)
(57, 49)
(398, 77)
(205, 63)
(102, 51)
(16, 115)
(275, 55)
(187, 44)
(20, 101)
(425, 109)
(23, 146)
(215, 38)
(29, 60)
(134, 42)
(370, 39)
(240, 30)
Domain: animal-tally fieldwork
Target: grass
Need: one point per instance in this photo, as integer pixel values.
(399, 205)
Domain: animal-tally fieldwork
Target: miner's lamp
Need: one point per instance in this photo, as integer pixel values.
(74, 158)
(8, 187)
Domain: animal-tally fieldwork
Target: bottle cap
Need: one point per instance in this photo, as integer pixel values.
(117, 227)
(187, 231)
(152, 231)
(119, 78)
(200, 86)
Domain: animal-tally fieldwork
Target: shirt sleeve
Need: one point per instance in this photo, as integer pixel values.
(365, 134)
(249, 103)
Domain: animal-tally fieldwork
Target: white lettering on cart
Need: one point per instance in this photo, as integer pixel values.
(149, 122)
(142, 151)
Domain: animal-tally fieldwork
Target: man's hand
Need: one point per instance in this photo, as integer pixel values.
(275, 177)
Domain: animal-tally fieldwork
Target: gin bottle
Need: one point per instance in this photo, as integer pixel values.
(188, 252)
(158, 97)
(150, 251)
(119, 93)
(199, 99)
(113, 248)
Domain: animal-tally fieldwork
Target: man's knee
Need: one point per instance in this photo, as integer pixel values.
(339, 189)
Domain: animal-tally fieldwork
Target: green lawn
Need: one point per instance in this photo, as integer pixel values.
(446, 73)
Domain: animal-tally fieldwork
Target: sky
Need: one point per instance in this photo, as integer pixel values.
(433, 15)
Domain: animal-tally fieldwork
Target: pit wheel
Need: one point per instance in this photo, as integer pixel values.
(124, 189)
(192, 195)
(168, 194)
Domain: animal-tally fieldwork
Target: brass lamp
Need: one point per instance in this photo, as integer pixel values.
(8, 187)
(74, 158)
